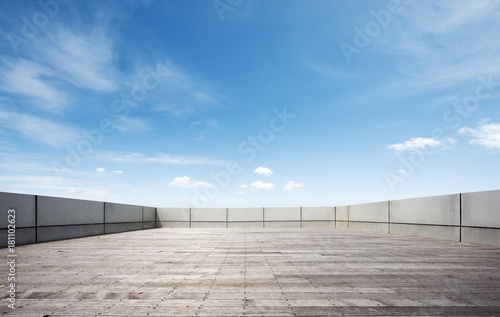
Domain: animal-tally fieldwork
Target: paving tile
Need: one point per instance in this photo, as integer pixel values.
(255, 272)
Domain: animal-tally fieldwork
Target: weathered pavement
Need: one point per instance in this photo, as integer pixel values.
(254, 272)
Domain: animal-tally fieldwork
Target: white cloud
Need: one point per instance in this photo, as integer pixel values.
(486, 135)
(186, 182)
(243, 186)
(262, 185)
(418, 144)
(242, 193)
(263, 171)
(161, 158)
(293, 185)
(102, 171)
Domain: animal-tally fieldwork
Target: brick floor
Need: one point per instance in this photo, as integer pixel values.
(254, 272)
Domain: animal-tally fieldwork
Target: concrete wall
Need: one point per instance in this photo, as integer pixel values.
(173, 217)
(318, 217)
(468, 217)
(148, 217)
(63, 218)
(342, 217)
(25, 217)
(481, 217)
(370, 217)
(282, 217)
(434, 217)
(245, 217)
(120, 217)
(209, 218)
(43, 218)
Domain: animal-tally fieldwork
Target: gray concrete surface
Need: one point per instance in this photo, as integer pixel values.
(54, 211)
(149, 217)
(318, 214)
(481, 209)
(245, 214)
(255, 272)
(24, 206)
(282, 214)
(209, 214)
(25, 217)
(433, 210)
(118, 213)
(370, 212)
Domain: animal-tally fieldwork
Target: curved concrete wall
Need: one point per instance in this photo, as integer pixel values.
(43, 218)
(468, 217)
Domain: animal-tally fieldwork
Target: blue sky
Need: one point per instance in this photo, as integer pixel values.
(249, 103)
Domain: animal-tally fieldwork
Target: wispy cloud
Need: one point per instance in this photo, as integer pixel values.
(83, 59)
(35, 82)
(330, 71)
(186, 182)
(44, 131)
(61, 60)
(263, 171)
(262, 185)
(293, 185)
(182, 93)
(438, 45)
(162, 159)
(486, 135)
(124, 124)
(419, 144)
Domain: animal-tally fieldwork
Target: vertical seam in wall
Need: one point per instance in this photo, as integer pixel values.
(301, 217)
(36, 218)
(227, 217)
(388, 216)
(142, 217)
(263, 217)
(156, 217)
(335, 216)
(190, 217)
(460, 228)
(104, 216)
(348, 216)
